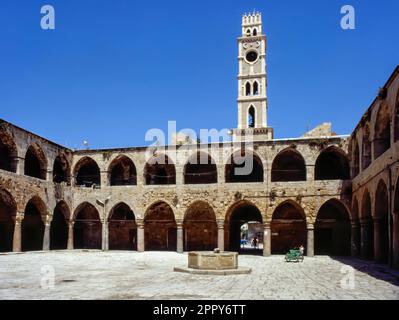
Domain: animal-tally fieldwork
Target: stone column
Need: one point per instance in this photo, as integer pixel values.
(377, 239)
(267, 236)
(180, 247)
(46, 237)
(105, 236)
(140, 236)
(21, 166)
(355, 236)
(70, 235)
(221, 235)
(16, 245)
(310, 249)
(395, 240)
(104, 179)
(179, 176)
(221, 173)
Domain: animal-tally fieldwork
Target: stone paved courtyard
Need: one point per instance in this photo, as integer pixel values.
(149, 275)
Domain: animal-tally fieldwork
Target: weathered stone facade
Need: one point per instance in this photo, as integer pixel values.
(299, 189)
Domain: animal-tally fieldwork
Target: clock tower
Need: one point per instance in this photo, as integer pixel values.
(252, 82)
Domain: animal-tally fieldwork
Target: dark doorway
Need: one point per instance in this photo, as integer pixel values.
(87, 173)
(332, 164)
(123, 172)
(288, 165)
(59, 227)
(200, 169)
(381, 244)
(160, 228)
(160, 170)
(244, 167)
(35, 163)
(61, 170)
(366, 229)
(332, 230)
(122, 228)
(8, 153)
(33, 226)
(7, 215)
(87, 228)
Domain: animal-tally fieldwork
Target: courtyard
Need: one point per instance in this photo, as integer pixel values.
(149, 275)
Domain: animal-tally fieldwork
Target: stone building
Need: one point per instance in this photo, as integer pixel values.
(336, 195)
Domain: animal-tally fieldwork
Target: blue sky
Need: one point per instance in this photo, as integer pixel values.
(114, 69)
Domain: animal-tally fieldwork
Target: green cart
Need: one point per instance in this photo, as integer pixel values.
(294, 255)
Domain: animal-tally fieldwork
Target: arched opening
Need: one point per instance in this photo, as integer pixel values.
(160, 170)
(288, 165)
(248, 32)
(33, 226)
(122, 228)
(355, 241)
(251, 117)
(87, 173)
(382, 131)
(381, 230)
(61, 170)
(395, 227)
(356, 158)
(288, 228)
(366, 158)
(333, 230)
(8, 153)
(200, 228)
(255, 33)
(35, 162)
(396, 123)
(247, 89)
(200, 169)
(160, 228)
(59, 227)
(256, 88)
(366, 229)
(87, 233)
(244, 222)
(122, 172)
(332, 164)
(8, 211)
(244, 167)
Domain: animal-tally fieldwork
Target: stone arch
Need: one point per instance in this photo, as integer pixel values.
(122, 228)
(87, 173)
(200, 227)
(382, 131)
(248, 88)
(87, 232)
(366, 157)
(59, 226)
(366, 228)
(160, 170)
(8, 153)
(61, 169)
(333, 229)
(288, 165)
(381, 230)
(244, 213)
(122, 172)
(332, 164)
(244, 166)
(200, 169)
(35, 162)
(251, 118)
(356, 158)
(160, 227)
(8, 211)
(288, 227)
(32, 225)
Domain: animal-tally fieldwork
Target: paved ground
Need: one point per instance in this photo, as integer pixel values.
(124, 275)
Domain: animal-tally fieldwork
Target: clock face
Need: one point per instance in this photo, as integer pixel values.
(251, 56)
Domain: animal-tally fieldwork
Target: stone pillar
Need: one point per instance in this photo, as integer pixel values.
(70, 235)
(16, 245)
(179, 176)
(310, 249)
(221, 235)
(221, 173)
(395, 240)
(140, 236)
(355, 237)
(267, 237)
(105, 236)
(21, 166)
(180, 247)
(104, 178)
(377, 239)
(46, 237)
